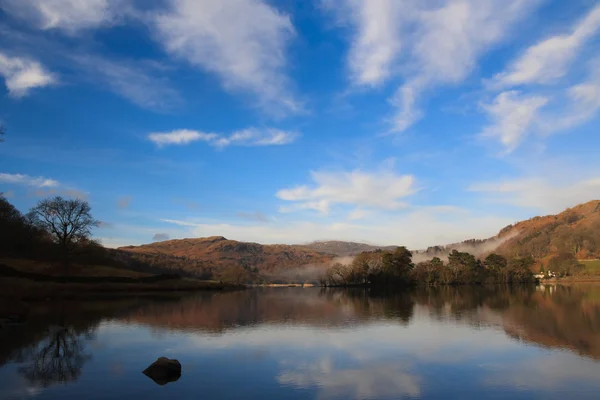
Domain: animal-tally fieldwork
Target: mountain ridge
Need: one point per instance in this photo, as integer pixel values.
(576, 231)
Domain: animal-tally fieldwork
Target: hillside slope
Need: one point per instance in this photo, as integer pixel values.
(217, 253)
(341, 248)
(575, 231)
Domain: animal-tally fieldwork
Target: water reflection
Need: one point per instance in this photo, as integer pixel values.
(323, 343)
(59, 358)
(369, 380)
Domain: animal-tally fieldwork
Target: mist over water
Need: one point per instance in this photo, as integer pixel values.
(466, 342)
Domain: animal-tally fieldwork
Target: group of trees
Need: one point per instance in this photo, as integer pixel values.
(381, 268)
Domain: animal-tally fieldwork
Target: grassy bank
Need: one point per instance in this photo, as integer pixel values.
(592, 267)
(26, 280)
(27, 290)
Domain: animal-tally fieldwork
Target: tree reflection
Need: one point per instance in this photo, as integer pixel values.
(58, 359)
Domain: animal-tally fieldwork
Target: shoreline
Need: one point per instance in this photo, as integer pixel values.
(28, 290)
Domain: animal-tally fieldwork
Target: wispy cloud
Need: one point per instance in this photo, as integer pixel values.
(245, 137)
(512, 116)
(254, 216)
(582, 103)
(41, 186)
(550, 59)
(242, 41)
(377, 39)
(382, 190)
(139, 82)
(23, 74)
(67, 15)
(427, 43)
(517, 114)
(21, 179)
(542, 194)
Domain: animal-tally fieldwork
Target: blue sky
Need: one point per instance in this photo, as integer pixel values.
(392, 121)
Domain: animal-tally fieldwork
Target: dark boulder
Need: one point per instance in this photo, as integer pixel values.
(163, 371)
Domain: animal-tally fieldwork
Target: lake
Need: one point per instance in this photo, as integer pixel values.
(312, 343)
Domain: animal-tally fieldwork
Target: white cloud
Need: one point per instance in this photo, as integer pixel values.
(449, 40)
(582, 104)
(137, 82)
(68, 15)
(244, 137)
(357, 214)
(21, 179)
(442, 42)
(512, 117)
(22, 74)
(515, 115)
(550, 59)
(43, 187)
(377, 40)
(405, 100)
(180, 137)
(542, 194)
(381, 190)
(242, 41)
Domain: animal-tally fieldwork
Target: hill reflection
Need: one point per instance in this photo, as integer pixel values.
(554, 317)
(567, 317)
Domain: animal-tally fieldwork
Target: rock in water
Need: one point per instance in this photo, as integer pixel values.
(163, 371)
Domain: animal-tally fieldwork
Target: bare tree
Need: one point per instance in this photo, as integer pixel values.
(59, 359)
(68, 221)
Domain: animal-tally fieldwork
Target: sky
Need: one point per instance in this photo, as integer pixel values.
(391, 122)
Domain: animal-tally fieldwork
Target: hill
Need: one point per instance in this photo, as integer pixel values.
(342, 249)
(574, 234)
(575, 231)
(217, 253)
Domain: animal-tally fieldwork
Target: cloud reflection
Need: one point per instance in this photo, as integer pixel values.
(370, 380)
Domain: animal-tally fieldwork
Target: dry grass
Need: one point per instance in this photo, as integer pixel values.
(25, 289)
(48, 268)
(592, 266)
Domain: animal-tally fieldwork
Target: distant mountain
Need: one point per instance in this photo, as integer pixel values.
(343, 248)
(217, 253)
(575, 231)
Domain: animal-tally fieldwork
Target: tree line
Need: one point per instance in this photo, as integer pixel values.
(388, 269)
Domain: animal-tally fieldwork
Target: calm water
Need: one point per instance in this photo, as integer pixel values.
(293, 343)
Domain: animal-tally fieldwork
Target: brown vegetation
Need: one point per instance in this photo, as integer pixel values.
(217, 254)
(340, 248)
